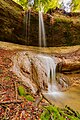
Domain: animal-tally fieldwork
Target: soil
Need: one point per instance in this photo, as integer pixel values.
(12, 106)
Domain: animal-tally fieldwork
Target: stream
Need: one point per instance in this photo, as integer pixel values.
(70, 97)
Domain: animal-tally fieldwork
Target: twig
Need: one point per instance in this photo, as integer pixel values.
(38, 101)
(5, 114)
(16, 90)
(15, 117)
(51, 117)
(9, 102)
(46, 99)
(1, 93)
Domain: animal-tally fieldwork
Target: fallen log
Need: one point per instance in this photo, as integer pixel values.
(70, 62)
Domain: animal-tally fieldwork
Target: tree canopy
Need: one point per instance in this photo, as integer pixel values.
(74, 5)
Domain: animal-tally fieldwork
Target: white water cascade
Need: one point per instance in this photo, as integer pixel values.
(42, 38)
(50, 68)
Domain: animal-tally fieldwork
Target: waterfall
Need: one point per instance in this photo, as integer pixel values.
(50, 68)
(27, 19)
(42, 38)
(27, 22)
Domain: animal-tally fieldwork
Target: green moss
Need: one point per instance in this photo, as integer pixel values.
(1, 71)
(22, 92)
(55, 28)
(58, 20)
(7, 78)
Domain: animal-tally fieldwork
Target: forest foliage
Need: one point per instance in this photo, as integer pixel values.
(74, 5)
(54, 113)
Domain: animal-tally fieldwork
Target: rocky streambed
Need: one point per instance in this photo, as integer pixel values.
(29, 68)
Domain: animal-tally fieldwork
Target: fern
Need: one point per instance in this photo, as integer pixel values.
(55, 113)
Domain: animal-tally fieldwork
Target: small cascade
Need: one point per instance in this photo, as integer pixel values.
(42, 38)
(50, 68)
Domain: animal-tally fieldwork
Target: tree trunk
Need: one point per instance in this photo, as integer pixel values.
(69, 62)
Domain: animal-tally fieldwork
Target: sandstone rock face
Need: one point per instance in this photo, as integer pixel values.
(61, 29)
(11, 21)
(30, 70)
(29, 64)
(30, 67)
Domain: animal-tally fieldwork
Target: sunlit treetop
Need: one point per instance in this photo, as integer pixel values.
(76, 5)
(67, 5)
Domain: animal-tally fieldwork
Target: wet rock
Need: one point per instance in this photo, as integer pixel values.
(35, 78)
(29, 66)
(62, 81)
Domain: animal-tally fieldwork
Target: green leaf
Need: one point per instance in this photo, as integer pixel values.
(76, 5)
(21, 91)
(29, 98)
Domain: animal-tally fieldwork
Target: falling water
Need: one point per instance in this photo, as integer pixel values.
(42, 39)
(50, 68)
(27, 19)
